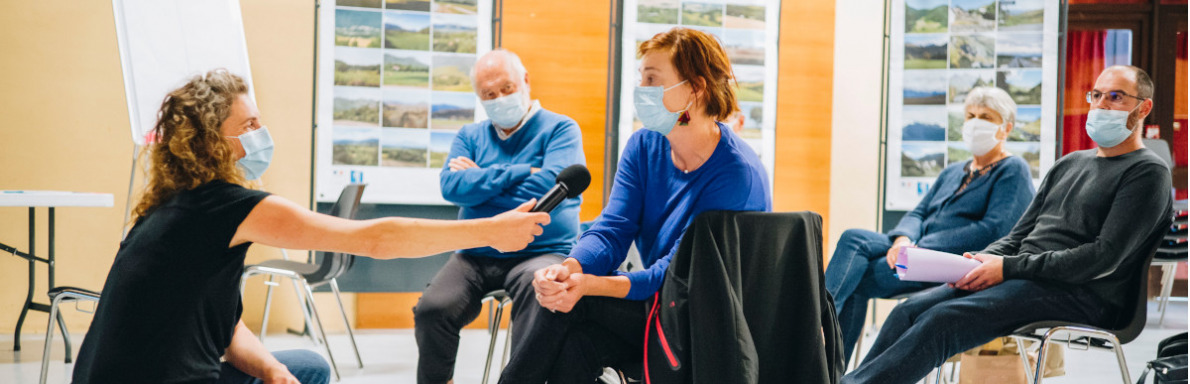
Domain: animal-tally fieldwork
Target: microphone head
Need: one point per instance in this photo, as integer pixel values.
(576, 178)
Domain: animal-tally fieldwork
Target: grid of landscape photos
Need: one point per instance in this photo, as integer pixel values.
(952, 46)
(740, 27)
(402, 86)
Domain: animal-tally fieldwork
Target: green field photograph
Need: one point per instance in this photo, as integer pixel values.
(408, 5)
(1024, 85)
(925, 51)
(972, 51)
(452, 72)
(1022, 15)
(462, 7)
(1018, 50)
(657, 11)
(1030, 152)
(957, 153)
(440, 147)
(406, 69)
(926, 16)
(744, 46)
(355, 146)
(357, 28)
(1028, 124)
(744, 16)
(749, 82)
(454, 33)
(972, 16)
(406, 148)
(956, 115)
(357, 67)
(922, 159)
(961, 83)
(356, 107)
(922, 87)
(359, 3)
(406, 109)
(403, 30)
(702, 14)
(451, 110)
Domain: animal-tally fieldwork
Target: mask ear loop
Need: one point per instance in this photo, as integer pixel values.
(684, 119)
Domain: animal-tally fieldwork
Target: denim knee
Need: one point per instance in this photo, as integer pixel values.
(307, 366)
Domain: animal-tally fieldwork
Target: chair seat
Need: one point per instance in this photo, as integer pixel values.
(498, 295)
(75, 291)
(307, 270)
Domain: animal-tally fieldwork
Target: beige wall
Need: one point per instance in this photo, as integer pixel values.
(855, 130)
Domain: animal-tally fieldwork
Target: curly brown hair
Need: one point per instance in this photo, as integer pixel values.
(186, 147)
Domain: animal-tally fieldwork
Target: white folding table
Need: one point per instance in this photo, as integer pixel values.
(49, 200)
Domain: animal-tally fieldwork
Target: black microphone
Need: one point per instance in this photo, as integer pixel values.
(571, 182)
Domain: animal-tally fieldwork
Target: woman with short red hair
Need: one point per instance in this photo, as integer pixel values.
(684, 162)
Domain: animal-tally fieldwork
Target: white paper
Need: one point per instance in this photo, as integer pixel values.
(924, 265)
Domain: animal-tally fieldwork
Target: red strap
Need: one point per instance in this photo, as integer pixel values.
(649, 321)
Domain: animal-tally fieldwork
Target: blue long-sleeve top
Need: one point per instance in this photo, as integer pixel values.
(652, 202)
(504, 180)
(969, 220)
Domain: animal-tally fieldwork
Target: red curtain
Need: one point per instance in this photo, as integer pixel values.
(1084, 61)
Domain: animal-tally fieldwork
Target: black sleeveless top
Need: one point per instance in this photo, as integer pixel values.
(171, 301)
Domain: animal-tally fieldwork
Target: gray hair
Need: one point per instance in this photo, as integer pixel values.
(512, 64)
(995, 99)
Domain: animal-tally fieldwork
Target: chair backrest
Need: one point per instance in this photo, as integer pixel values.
(334, 264)
(1130, 327)
(1161, 148)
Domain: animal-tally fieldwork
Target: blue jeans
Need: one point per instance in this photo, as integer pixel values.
(858, 271)
(925, 330)
(307, 366)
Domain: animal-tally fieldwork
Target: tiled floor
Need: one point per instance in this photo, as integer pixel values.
(390, 356)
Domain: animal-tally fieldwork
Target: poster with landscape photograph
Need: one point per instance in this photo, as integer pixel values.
(747, 30)
(942, 49)
(394, 88)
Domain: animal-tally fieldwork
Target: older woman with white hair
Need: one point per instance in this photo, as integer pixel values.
(970, 205)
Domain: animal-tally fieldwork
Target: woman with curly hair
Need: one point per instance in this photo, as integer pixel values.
(171, 303)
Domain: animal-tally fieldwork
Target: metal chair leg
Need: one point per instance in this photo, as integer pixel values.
(494, 328)
(507, 342)
(49, 337)
(321, 331)
(1024, 354)
(346, 322)
(1119, 349)
(65, 337)
(1168, 272)
(268, 303)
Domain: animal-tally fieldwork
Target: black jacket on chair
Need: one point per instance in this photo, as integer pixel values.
(744, 302)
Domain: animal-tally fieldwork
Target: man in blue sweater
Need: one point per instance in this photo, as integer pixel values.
(496, 165)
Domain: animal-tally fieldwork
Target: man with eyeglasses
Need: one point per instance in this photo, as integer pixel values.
(1098, 214)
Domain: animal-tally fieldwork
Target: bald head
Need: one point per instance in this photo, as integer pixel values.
(1141, 83)
(499, 73)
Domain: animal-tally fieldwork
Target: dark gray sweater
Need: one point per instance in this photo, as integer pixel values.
(1093, 219)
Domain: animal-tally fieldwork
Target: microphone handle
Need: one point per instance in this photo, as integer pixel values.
(551, 199)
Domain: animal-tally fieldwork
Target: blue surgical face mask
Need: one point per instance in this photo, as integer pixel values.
(258, 152)
(506, 111)
(1108, 127)
(650, 108)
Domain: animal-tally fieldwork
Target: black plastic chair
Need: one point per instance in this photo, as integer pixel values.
(1087, 337)
(330, 266)
(57, 296)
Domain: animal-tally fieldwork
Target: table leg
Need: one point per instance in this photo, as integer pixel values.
(16, 340)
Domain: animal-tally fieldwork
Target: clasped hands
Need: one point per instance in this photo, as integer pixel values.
(560, 286)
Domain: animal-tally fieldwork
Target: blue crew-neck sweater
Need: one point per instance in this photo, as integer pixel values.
(503, 181)
(652, 202)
